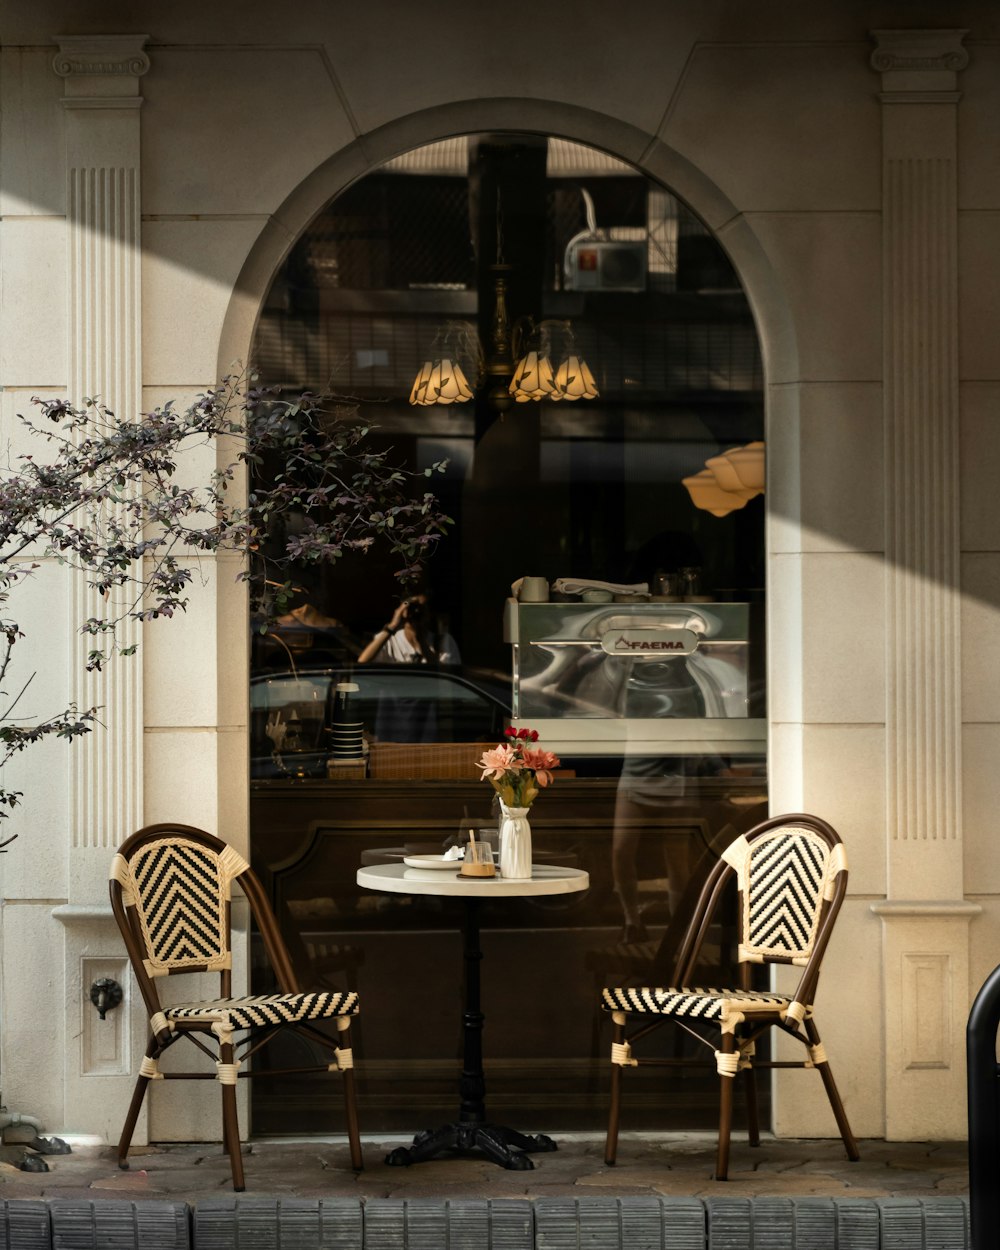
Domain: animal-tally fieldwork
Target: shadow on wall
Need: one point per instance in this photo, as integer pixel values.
(814, 503)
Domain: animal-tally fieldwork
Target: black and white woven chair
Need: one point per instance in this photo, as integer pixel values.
(791, 873)
(171, 890)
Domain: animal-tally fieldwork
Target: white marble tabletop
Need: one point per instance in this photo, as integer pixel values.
(399, 879)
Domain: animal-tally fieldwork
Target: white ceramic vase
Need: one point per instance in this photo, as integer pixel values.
(515, 843)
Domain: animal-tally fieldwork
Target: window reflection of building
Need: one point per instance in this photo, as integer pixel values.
(558, 489)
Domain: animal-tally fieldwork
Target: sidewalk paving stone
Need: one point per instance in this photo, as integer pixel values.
(674, 1165)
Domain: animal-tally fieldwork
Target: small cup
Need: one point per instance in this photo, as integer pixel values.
(489, 836)
(533, 590)
(478, 861)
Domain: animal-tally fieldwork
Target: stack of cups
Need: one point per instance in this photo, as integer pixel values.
(348, 740)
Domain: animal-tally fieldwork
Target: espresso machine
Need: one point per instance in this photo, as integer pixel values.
(641, 678)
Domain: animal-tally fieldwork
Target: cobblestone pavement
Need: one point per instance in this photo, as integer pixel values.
(647, 1165)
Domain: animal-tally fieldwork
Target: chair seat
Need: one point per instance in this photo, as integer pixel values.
(246, 1013)
(697, 1002)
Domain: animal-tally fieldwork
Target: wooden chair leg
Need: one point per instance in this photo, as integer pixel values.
(351, 1108)
(135, 1106)
(823, 1068)
(231, 1124)
(750, 1094)
(614, 1109)
(725, 1112)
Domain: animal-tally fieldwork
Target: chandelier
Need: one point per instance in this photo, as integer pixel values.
(518, 365)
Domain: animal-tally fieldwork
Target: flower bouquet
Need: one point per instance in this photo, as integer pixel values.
(518, 770)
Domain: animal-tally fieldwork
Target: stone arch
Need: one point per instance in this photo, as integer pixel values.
(765, 293)
(645, 151)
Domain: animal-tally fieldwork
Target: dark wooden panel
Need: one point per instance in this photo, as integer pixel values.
(545, 959)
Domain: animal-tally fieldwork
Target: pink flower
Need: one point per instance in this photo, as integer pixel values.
(500, 760)
(541, 764)
(536, 757)
(516, 768)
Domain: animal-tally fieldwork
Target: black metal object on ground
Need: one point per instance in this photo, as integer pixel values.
(983, 1076)
(472, 1131)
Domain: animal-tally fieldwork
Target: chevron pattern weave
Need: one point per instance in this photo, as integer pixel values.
(181, 897)
(248, 1013)
(694, 1003)
(784, 885)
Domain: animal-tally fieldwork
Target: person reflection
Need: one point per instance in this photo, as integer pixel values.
(407, 711)
(407, 637)
(650, 788)
(688, 809)
(304, 635)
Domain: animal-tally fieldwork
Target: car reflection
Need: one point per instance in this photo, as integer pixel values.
(291, 712)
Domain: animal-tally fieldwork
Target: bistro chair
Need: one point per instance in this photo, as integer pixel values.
(171, 890)
(791, 874)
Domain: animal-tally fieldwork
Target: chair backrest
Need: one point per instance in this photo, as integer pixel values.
(171, 893)
(791, 872)
(177, 883)
(788, 870)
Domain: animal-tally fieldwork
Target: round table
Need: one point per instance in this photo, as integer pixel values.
(472, 1131)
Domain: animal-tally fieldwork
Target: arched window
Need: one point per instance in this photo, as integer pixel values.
(607, 478)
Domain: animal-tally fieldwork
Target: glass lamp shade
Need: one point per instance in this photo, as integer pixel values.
(574, 380)
(440, 382)
(724, 472)
(748, 465)
(707, 494)
(533, 379)
(419, 393)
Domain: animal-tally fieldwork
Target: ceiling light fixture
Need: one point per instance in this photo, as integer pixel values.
(729, 481)
(518, 367)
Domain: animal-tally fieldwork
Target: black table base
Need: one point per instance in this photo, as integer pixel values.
(505, 1146)
(472, 1131)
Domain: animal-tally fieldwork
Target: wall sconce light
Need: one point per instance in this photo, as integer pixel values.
(521, 355)
(728, 482)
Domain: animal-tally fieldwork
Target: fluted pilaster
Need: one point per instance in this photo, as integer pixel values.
(925, 918)
(922, 499)
(919, 71)
(101, 77)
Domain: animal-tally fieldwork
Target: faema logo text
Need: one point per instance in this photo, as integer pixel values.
(658, 644)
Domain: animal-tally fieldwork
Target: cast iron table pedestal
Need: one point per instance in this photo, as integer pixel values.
(472, 1130)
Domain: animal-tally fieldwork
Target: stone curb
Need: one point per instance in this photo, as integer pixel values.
(679, 1223)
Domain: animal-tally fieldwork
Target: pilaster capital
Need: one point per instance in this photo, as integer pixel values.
(101, 71)
(919, 66)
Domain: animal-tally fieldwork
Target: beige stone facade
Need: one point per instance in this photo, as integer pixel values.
(153, 178)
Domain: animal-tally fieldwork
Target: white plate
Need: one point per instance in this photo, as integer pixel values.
(431, 861)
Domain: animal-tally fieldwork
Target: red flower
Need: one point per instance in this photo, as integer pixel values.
(523, 733)
(533, 736)
(510, 732)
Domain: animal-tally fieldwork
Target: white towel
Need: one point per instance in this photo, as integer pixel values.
(577, 585)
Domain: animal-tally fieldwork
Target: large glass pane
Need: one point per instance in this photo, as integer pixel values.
(662, 752)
